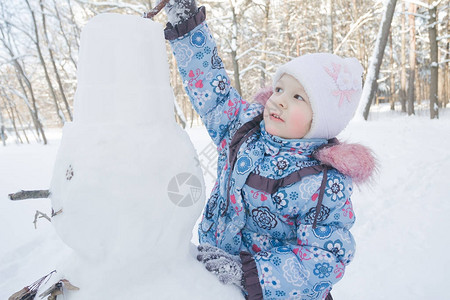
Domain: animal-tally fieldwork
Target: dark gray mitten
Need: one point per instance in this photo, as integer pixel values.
(227, 267)
(180, 10)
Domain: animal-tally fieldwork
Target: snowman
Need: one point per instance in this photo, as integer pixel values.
(127, 188)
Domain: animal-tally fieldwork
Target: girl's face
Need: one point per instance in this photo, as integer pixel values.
(288, 113)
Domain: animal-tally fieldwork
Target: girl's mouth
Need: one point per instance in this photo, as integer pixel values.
(276, 117)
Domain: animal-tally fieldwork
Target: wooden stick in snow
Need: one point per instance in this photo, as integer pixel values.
(22, 195)
(40, 215)
(154, 11)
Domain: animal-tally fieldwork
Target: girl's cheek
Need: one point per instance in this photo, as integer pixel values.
(300, 126)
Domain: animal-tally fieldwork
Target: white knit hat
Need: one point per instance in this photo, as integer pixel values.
(333, 85)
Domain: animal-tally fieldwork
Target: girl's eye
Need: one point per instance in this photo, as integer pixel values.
(298, 97)
(278, 90)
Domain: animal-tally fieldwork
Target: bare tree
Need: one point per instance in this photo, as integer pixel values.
(412, 58)
(237, 11)
(446, 70)
(403, 60)
(52, 60)
(392, 74)
(234, 46)
(434, 109)
(10, 112)
(2, 129)
(330, 26)
(265, 29)
(253, 37)
(68, 39)
(24, 82)
(36, 41)
(370, 85)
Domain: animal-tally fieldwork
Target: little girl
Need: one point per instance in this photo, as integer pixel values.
(278, 218)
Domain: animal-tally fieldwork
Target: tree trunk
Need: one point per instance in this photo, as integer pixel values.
(330, 26)
(434, 109)
(441, 78)
(19, 118)
(192, 115)
(412, 59)
(402, 93)
(420, 89)
(234, 32)
(445, 68)
(2, 129)
(10, 111)
(370, 84)
(264, 45)
(286, 35)
(392, 75)
(446, 77)
(361, 46)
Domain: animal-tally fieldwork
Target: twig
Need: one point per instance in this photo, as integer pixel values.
(57, 289)
(22, 195)
(40, 215)
(29, 292)
(154, 11)
(56, 213)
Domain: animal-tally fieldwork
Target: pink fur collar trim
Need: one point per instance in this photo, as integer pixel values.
(352, 160)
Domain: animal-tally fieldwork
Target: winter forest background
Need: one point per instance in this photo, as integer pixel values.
(39, 41)
(402, 216)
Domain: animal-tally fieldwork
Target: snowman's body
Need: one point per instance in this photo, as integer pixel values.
(117, 160)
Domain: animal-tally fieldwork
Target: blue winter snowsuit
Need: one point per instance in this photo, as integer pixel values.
(284, 257)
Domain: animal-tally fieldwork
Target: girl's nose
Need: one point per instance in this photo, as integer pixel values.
(280, 101)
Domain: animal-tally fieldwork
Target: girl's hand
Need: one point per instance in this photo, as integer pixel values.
(180, 10)
(227, 267)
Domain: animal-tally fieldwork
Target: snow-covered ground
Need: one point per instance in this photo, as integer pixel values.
(26, 253)
(402, 217)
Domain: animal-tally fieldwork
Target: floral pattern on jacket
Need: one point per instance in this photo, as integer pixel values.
(293, 259)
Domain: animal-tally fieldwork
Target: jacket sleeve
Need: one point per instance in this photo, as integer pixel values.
(309, 268)
(205, 80)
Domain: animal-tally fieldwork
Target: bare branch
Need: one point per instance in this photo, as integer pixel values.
(39, 215)
(22, 195)
(369, 16)
(443, 37)
(136, 8)
(154, 11)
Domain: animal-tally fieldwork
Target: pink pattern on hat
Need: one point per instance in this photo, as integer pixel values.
(346, 85)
